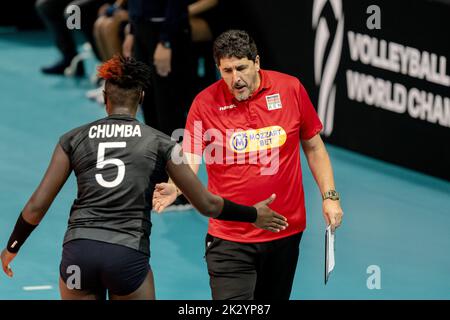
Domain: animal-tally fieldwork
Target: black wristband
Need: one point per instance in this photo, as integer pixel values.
(235, 212)
(20, 233)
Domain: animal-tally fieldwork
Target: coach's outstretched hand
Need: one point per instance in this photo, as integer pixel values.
(163, 196)
(7, 257)
(267, 218)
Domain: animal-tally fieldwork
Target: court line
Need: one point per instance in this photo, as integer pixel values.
(34, 288)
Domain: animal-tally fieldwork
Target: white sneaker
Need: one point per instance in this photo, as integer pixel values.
(87, 52)
(94, 93)
(100, 99)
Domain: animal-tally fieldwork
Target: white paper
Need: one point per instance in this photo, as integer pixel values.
(329, 252)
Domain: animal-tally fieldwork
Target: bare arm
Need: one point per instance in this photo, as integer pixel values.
(186, 180)
(211, 205)
(320, 165)
(319, 162)
(166, 193)
(57, 173)
(194, 163)
(183, 177)
(201, 6)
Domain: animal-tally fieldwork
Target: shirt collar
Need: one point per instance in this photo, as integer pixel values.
(120, 116)
(265, 81)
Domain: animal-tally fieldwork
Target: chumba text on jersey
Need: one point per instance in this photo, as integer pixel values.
(114, 130)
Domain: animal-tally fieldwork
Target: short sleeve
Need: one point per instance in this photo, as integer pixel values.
(193, 141)
(310, 124)
(165, 147)
(65, 143)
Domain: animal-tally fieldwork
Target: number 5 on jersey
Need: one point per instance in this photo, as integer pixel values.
(101, 163)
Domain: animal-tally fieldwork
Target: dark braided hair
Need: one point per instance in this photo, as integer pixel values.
(126, 73)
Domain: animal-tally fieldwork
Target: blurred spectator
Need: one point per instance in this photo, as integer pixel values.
(109, 34)
(109, 29)
(201, 15)
(203, 19)
(162, 39)
(52, 12)
(127, 45)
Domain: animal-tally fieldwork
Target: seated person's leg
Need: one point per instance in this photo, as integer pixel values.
(100, 44)
(112, 30)
(89, 14)
(200, 30)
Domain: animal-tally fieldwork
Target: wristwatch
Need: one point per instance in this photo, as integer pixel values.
(331, 194)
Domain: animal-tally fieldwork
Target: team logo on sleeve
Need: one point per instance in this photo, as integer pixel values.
(257, 139)
(273, 102)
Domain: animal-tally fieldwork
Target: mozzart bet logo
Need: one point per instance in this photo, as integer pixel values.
(325, 68)
(259, 146)
(257, 139)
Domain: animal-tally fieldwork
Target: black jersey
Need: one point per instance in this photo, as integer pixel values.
(117, 161)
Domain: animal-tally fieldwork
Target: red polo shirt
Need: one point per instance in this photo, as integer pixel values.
(252, 149)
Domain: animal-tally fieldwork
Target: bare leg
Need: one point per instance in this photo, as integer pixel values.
(74, 294)
(99, 40)
(200, 30)
(110, 35)
(145, 292)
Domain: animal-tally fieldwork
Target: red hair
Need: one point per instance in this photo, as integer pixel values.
(111, 69)
(125, 72)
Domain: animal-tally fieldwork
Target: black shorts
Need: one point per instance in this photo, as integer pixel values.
(103, 267)
(252, 271)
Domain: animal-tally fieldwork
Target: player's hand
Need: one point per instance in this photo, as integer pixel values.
(163, 196)
(267, 218)
(7, 257)
(332, 213)
(162, 60)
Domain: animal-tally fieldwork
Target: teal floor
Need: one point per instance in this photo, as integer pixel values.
(395, 219)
